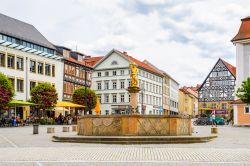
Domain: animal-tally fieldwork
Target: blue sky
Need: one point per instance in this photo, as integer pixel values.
(183, 37)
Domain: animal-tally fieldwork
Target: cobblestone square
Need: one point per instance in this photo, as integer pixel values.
(18, 146)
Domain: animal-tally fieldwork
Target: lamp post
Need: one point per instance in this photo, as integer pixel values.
(142, 97)
(85, 87)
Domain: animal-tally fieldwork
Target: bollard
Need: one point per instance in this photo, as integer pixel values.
(50, 130)
(74, 128)
(65, 129)
(214, 130)
(35, 128)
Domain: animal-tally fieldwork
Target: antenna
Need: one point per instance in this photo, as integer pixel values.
(76, 47)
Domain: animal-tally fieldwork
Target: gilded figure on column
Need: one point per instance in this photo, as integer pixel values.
(133, 75)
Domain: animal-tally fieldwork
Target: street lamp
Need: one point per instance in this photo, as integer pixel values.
(142, 96)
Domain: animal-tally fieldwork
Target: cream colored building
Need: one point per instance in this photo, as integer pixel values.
(188, 101)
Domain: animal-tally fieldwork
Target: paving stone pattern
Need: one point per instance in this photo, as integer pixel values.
(18, 146)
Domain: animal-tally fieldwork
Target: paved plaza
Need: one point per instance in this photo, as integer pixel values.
(18, 146)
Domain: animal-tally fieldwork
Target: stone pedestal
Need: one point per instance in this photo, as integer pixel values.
(65, 129)
(133, 98)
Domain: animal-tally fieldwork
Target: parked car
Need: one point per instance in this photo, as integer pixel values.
(205, 120)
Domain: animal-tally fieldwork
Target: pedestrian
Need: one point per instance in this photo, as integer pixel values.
(213, 120)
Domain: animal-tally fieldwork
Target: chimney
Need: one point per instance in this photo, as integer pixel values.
(125, 53)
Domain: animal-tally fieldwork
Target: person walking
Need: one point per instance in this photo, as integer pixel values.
(213, 120)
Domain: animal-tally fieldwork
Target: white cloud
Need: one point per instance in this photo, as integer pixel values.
(183, 37)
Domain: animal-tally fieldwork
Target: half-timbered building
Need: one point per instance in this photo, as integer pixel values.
(76, 72)
(217, 91)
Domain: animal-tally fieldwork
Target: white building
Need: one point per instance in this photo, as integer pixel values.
(174, 96)
(28, 58)
(111, 78)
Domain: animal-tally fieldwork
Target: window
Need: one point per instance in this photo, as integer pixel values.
(53, 70)
(114, 63)
(32, 85)
(19, 63)
(106, 73)
(122, 98)
(213, 105)
(114, 98)
(129, 83)
(99, 74)
(2, 59)
(32, 66)
(99, 85)
(224, 106)
(106, 84)
(107, 112)
(19, 86)
(47, 69)
(114, 73)
(12, 80)
(100, 98)
(40, 68)
(247, 110)
(122, 72)
(106, 96)
(129, 98)
(122, 84)
(11, 61)
(114, 85)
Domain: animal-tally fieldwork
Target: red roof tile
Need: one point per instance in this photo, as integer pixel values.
(244, 31)
(231, 68)
(142, 64)
(93, 60)
(77, 62)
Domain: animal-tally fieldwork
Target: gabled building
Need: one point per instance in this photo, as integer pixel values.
(217, 90)
(77, 72)
(188, 101)
(242, 43)
(111, 78)
(170, 88)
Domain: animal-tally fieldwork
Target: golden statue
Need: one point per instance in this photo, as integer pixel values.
(133, 75)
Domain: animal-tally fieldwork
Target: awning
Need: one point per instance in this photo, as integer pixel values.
(20, 103)
(68, 104)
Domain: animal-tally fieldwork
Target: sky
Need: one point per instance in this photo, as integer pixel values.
(184, 38)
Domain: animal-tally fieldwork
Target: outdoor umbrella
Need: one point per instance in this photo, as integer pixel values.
(68, 104)
(16, 103)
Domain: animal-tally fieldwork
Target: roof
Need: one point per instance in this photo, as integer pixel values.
(244, 31)
(230, 67)
(93, 60)
(77, 62)
(238, 101)
(189, 90)
(141, 64)
(161, 71)
(24, 31)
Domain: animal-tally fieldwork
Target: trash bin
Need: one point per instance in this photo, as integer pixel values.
(35, 128)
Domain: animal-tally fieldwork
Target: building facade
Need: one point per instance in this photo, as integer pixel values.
(242, 42)
(27, 58)
(77, 72)
(111, 78)
(188, 101)
(217, 91)
(174, 97)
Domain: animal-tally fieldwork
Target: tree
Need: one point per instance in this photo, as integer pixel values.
(244, 91)
(6, 91)
(79, 98)
(44, 95)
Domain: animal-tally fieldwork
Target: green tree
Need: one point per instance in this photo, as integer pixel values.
(244, 91)
(6, 91)
(79, 98)
(44, 95)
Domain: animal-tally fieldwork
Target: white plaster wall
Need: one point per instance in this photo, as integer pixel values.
(57, 80)
(123, 64)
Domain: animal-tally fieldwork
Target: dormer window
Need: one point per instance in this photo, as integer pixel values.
(114, 63)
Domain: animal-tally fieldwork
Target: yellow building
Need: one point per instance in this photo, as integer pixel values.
(188, 101)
